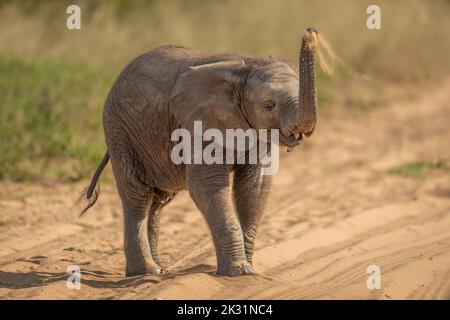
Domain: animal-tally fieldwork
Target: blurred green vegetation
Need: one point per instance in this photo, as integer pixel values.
(50, 116)
(419, 169)
(53, 81)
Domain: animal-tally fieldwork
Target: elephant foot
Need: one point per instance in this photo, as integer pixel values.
(158, 262)
(238, 268)
(149, 267)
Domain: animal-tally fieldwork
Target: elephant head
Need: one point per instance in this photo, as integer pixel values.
(252, 93)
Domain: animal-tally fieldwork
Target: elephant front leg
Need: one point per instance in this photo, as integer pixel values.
(209, 188)
(250, 190)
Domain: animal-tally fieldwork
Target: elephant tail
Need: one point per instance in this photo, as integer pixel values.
(93, 191)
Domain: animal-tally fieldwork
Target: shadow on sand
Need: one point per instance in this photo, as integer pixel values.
(95, 279)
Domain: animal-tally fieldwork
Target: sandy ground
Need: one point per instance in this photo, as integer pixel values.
(333, 211)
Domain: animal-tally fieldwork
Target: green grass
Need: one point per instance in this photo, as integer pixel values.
(420, 169)
(108, 251)
(73, 249)
(50, 120)
(86, 226)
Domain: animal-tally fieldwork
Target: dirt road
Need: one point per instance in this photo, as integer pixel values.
(334, 210)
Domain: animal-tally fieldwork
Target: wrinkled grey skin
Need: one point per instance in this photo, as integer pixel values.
(170, 87)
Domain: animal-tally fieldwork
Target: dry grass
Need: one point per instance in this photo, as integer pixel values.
(413, 44)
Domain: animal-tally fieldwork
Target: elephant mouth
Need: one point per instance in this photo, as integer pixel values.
(292, 140)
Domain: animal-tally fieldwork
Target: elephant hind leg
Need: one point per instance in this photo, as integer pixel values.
(159, 200)
(136, 200)
(136, 244)
(137, 248)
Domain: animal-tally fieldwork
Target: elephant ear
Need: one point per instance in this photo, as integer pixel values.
(207, 93)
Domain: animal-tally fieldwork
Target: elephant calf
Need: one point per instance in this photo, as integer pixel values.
(171, 87)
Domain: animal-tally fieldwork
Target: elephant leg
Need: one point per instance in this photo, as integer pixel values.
(136, 199)
(137, 248)
(209, 188)
(250, 190)
(160, 200)
(153, 231)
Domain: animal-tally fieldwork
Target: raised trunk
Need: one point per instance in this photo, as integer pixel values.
(308, 90)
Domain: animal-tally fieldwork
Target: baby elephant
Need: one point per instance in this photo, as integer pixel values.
(169, 88)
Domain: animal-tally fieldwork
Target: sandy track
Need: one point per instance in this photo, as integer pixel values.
(333, 211)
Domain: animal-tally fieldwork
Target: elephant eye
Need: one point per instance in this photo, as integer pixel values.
(269, 105)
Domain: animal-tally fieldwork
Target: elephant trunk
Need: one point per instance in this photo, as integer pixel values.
(307, 86)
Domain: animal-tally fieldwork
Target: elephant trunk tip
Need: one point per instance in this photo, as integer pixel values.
(312, 30)
(310, 39)
(312, 43)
